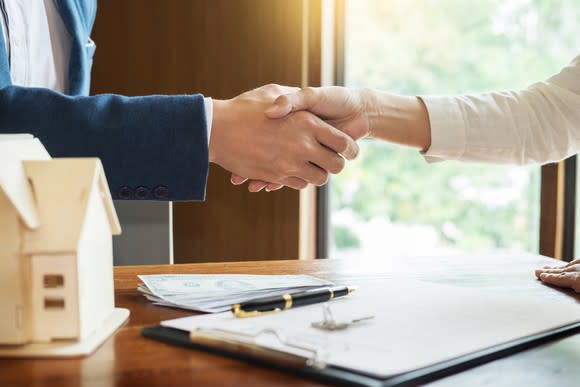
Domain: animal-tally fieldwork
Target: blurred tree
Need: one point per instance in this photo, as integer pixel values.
(344, 238)
(450, 46)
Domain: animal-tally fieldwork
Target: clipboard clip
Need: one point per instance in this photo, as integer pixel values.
(245, 343)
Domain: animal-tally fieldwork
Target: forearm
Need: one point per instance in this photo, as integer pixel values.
(399, 119)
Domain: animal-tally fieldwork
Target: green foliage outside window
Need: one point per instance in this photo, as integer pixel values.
(419, 47)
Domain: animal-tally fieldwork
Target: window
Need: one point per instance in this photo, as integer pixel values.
(390, 201)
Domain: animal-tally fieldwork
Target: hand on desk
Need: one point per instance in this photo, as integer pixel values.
(295, 150)
(567, 276)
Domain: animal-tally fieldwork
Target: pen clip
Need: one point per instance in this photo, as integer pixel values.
(240, 313)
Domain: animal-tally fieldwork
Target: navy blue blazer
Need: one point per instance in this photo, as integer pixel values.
(152, 147)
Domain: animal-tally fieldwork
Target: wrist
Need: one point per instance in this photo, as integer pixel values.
(219, 126)
(423, 124)
(369, 105)
(400, 119)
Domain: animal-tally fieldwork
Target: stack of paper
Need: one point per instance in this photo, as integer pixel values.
(216, 293)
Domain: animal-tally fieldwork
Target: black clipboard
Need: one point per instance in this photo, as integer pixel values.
(350, 378)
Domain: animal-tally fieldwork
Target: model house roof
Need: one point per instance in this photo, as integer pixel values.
(13, 181)
(62, 190)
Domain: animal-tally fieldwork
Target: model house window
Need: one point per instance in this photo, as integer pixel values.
(53, 303)
(391, 201)
(53, 281)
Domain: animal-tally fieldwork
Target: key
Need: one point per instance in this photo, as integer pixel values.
(329, 323)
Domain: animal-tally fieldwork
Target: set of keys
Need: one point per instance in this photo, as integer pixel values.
(329, 323)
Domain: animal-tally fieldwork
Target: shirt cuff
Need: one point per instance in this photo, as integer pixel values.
(448, 136)
(208, 116)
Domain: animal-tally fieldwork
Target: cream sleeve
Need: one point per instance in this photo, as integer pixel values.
(537, 125)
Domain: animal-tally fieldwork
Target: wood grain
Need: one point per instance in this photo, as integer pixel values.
(127, 359)
(552, 210)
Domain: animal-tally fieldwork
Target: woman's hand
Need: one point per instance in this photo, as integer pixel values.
(567, 276)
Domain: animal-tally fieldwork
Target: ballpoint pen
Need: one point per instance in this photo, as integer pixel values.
(290, 300)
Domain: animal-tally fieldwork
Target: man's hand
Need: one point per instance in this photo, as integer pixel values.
(567, 276)
(294, 150)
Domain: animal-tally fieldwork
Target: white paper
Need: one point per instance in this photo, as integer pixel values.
(416, 324)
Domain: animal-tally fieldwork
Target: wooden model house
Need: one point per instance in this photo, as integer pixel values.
(56, 263)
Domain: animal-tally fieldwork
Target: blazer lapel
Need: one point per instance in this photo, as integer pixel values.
(5, 79)
(71, 17)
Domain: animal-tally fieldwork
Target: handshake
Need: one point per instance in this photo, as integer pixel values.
(277, 136)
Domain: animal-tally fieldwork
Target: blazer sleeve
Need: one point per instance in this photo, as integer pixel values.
(152, 148)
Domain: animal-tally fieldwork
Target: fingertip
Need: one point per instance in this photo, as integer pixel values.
(256, 186)
(356, 151)
(351, 152)
(237, 180)
(273, 187)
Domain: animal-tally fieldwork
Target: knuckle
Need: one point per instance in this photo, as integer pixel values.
(282, 99)
(291, 168)
(280, 166)
(304, 118)
(306, 148)
(355, 151)
(308, 91)
(273, 90)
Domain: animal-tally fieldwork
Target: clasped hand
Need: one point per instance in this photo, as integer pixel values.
(294, 149)
(342, 108)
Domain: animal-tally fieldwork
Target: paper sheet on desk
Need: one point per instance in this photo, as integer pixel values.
(217, 292)
(416, 324)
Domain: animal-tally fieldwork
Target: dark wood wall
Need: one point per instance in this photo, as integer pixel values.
(219, 48)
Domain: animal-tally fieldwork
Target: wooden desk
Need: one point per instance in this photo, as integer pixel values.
(128, 359)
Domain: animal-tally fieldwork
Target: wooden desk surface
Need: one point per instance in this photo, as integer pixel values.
(127, 359)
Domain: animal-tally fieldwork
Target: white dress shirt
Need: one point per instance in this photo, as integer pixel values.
(537, 125)
(40, 45)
